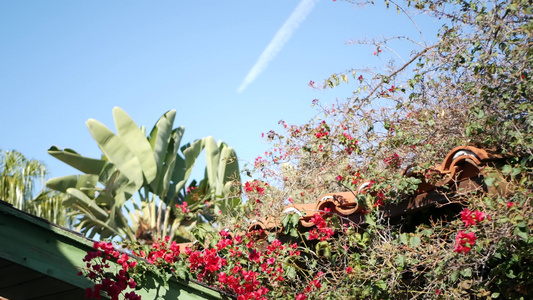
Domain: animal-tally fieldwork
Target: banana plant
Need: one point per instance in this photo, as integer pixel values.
(132, 190)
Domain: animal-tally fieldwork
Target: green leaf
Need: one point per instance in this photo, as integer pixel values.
(489, 181)
(85, 183)
(167, 171)
(184, 166)
(522, 231)
(381, 284)
(86, 202)
(135, 139)
(212, 156)
(516, 171)
(400, 260)
(285, 220)
(466, 272)
(290, 272)
(295, 219)
(404, 238)
(117, 152)
(506, 170)
(454, 276)
(159, 139)
(294, 232)
(369, 220)
(414, 241)
(75, 160)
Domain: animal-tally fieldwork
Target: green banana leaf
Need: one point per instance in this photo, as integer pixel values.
(79, 198)
(85, 183)
(159, 140)
(75, 160)
(168, 167)
(184, 166)
(117, 152)
(136, 140)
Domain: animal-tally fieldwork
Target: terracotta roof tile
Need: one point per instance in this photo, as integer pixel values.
(461, 171)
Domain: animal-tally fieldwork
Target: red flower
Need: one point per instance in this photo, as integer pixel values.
(480, 216)
(467, 217)
(464, 242)
(471, 217)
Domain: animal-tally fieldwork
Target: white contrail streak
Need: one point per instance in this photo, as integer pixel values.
(282, 36)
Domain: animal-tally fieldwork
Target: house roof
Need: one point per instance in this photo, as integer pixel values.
(40, 260)
(461, 171)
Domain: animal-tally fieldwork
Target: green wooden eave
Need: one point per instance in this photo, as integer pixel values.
(51, 256)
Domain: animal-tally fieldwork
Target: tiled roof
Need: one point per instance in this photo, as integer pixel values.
(461, 171)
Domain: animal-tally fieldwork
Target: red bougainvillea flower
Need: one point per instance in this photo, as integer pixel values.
(467, 217)
(471, 217)
(480, 216)
(301, 296)
(464, 242)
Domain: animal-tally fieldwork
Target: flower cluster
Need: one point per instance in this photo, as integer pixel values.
(183, 207)
(322, 231)
(393, 161)
(254, 186)
(471, 217)
(161, 252)
(464, 242)
(97, 267)
(322, 130)
(349, 143)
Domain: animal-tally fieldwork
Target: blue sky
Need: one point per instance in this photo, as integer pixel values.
(63, 62)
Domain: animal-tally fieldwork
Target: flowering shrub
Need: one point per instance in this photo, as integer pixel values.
(470, 88)
(97, 266)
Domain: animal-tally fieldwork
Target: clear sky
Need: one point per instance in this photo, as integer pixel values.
(231, 69)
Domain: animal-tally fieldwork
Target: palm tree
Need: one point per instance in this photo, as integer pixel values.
(19, 179)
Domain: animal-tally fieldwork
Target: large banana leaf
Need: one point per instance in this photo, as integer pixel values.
(228, 169)
(136, 140)
(159, 140)
(184, 166)
(169, 165)
(85, 183)
(117, 152)
(79, 198)
(73, 159)
(212, 156)
(221, 171)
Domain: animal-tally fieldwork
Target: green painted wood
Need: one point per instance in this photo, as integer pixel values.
(57, 253)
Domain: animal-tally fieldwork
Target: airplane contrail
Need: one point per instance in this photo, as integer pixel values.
(298, 15)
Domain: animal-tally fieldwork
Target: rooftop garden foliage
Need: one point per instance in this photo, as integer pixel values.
(472, 87)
